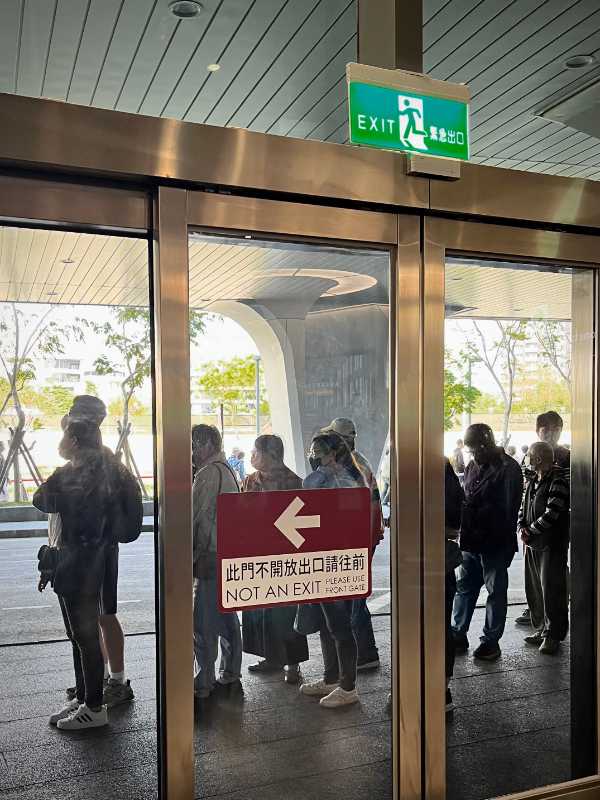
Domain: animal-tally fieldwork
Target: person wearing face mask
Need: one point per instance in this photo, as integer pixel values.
(333, 468)
(549, 427)
(544, 526)
(80, 493)
(269, 632)
(368, 654)
(493, 487)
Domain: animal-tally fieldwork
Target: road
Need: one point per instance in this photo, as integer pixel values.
(28, 616)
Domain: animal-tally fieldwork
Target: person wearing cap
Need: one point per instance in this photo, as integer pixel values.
(368, 654)
(332, 468)
(117, 689)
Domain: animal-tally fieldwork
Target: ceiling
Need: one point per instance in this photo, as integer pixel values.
(44, 266)
(282, 65)
(496, 290)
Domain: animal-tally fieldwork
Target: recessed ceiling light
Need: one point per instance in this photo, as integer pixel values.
(247, 236)
(185, 9)
(213, 67)
(579, 62)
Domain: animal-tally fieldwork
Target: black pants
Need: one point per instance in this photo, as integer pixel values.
(338, 644)
(80, 614)
(363, 631)
(450, 591)
(546, 590)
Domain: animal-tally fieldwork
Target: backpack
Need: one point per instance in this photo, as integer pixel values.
(126, 511)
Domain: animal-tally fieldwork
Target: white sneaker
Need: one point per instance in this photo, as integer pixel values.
(317, 688)
(65, 712)
(83, 718)
(340, 697)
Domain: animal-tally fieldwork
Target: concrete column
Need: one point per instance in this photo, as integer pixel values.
(390, 34)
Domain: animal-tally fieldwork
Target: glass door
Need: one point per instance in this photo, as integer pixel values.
(510, 539)
(78, 625)
(294, 387)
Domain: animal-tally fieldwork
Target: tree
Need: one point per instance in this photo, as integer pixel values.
(136, 408)
(128, 357)
(458, 396)
(544, 391)
(25, 337)
(230, 383)
(54, 400)
(554, 340)
(500, 357)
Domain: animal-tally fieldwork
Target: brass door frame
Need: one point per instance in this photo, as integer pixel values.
(442, 237)
(400, 235)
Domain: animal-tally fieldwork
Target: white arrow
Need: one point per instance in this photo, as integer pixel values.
(288, 523)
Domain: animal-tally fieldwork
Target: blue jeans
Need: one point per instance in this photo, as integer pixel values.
(211, 629)
(476, 571)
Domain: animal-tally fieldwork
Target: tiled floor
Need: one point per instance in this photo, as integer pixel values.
(509, 732)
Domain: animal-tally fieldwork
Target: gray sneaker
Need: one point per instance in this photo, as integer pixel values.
(115, 693)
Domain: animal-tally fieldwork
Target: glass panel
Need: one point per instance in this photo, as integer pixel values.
(518, 420)
(75, 364)
(287, 338)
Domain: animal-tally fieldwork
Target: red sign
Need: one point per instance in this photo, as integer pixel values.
(285, 548)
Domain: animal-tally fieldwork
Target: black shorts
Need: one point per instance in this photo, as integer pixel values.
(108, 591)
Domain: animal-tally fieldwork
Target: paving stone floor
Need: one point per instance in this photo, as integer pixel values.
(277, 744)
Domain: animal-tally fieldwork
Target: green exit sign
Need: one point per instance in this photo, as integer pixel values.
(415, 114)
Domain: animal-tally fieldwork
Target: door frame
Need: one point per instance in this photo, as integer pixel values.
(444, 237)
(400, 236)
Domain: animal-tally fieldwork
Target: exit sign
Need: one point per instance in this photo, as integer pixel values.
(397, 110)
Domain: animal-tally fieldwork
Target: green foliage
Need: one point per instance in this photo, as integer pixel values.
(458, 398)
(127, 339)
(91, 388)
(488, 404)
(541, 392)
(54, 400)
(136, 408)
(232, 383)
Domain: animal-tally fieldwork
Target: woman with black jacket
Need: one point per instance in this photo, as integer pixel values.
(81, 493)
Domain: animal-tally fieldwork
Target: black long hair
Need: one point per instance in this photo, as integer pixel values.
(335, 443)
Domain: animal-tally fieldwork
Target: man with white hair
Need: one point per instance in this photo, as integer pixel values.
(544, 527)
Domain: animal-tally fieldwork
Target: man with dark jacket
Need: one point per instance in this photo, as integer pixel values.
(493, 488)
(549, 427)
(544, 526)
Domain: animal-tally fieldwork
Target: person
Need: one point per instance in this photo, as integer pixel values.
(4, 487)
(458, 458)
(79, 492)
(332, 467)
(236, 462)
(493, 487)
(544, 528)
(524, 451)
(368, 654)
(117, 688)
(548, 427)
(269, 632)
(511, 450)
(453, 500)
(212, 627)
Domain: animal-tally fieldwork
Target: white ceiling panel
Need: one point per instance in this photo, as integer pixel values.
(282, 65)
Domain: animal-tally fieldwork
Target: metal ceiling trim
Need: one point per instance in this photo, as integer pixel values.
(520, 196)
(75, 139)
